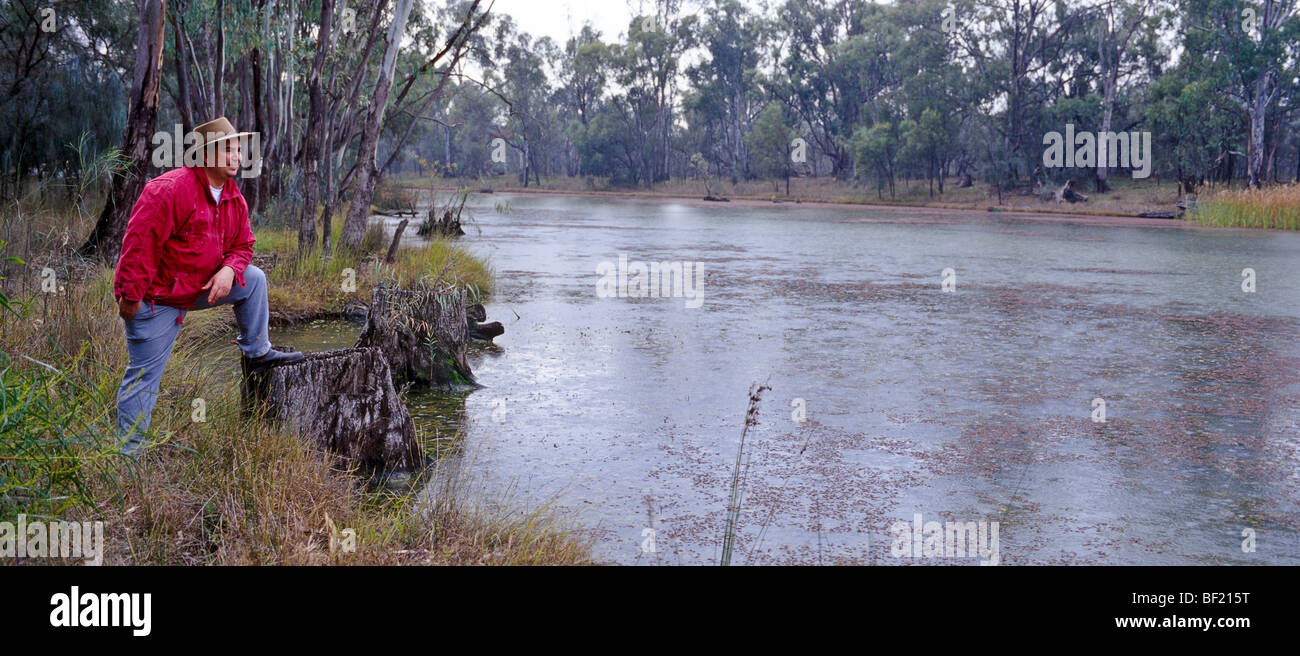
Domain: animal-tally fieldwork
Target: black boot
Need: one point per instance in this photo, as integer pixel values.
(274, 357)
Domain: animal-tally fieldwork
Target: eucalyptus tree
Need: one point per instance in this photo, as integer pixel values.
(725, 96)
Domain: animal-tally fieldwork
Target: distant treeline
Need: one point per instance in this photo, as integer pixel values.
(718, 89)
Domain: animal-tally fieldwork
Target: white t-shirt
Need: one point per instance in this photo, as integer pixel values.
(216, 193)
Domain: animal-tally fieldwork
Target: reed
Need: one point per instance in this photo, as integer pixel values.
(1275, 208)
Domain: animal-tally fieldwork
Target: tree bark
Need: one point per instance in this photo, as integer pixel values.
(397, 240)
(344, 401)
(185, 104)
(219, 65)
(311, 142)
(105, 240)
(354, 225)
(1258, 113)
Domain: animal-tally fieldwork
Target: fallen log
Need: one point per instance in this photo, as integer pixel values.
(422, 333)
(1067, 193)
(475, 329)
(344, 401)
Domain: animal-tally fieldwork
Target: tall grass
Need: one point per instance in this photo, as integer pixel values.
(56, 430)
(1271, 207)
(313, 283)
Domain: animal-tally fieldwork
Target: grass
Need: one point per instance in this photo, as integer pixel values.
(1269, 208)
(319, 284)
(230, 489)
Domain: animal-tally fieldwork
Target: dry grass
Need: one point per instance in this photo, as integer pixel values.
(1271, 207)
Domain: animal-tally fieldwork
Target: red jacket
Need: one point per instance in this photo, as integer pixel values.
(178, 238)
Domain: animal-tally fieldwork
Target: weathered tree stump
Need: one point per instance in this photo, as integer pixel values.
(447, 226)
(422, 333)
(343, 400)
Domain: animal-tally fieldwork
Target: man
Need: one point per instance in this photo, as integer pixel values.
(187, 246)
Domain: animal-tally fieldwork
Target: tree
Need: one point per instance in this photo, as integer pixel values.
(354, 225)
(1118, 23)
(315, 134)
(926, 142)
(1247, 49)
(769, 145)
(875, 148)
(105, 240)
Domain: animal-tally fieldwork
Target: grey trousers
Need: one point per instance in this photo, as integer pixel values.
(150, 335)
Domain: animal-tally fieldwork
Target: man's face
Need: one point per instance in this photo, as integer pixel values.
(227, 159)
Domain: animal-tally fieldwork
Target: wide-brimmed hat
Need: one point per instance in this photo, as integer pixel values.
(210, 133)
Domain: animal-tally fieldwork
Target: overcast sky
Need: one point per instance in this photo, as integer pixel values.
(560, 18)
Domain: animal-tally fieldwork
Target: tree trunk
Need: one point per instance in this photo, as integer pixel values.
(219, 65)
(354, 225)
(258, 200)
(344, 401)
(397, 241)
(185, 104)
(1258, 112)
(422, 333)
(1108, 109)
(105, 240)
(311, 142)
(327, 213)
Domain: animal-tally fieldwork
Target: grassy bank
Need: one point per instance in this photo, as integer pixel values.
(1270, 208)
(319, 285)
(227, 489)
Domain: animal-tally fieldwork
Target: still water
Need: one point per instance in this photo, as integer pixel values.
(890, 397)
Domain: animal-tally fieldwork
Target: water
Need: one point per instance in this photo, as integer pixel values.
(973, 405)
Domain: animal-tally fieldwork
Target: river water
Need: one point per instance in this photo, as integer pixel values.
(890, 396)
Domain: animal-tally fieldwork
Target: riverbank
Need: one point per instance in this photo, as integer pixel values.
(1276, 207)
(218, 487)
(1129, 198)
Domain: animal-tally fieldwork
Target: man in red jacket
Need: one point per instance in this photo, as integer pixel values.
(187, 246)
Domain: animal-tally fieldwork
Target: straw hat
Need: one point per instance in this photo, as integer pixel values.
(210, 133)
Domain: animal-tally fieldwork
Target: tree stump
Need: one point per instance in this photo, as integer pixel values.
(344, 401)
(447, 226)
(422, 333)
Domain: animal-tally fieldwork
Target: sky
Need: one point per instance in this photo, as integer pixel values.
(560, 18)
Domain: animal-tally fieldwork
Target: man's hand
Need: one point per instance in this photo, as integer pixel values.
(219, 284)
(127, 309)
